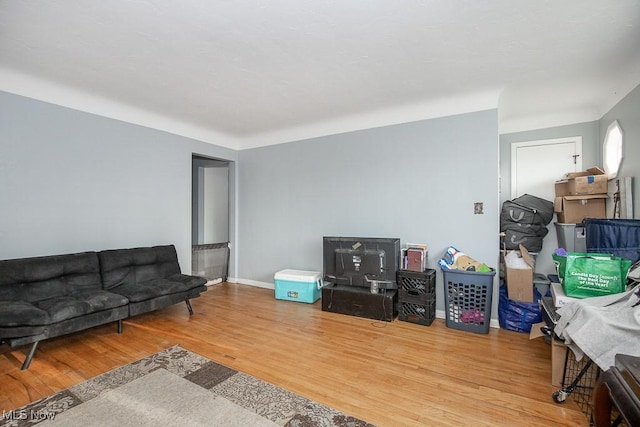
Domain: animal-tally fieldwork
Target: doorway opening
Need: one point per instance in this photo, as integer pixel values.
(535, 166)
(210, 219)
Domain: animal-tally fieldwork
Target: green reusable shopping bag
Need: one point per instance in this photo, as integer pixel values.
(560, 262)
(593, 274)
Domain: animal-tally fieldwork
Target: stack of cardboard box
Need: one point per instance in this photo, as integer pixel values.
(581, 195)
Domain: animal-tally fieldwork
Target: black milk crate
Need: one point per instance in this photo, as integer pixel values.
(416, 284)
(417, 310)
(468, 296)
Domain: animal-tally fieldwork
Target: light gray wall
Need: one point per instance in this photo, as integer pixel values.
(589, 133)
(72, 181)
(627, 112)
(416, 181)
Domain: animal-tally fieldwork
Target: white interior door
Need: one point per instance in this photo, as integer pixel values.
(535, 166)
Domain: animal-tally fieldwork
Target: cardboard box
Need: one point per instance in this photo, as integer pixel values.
(574, 209)
(558, 359)
(558, 354)
(562, 188)
(519, 267)
(591, 181)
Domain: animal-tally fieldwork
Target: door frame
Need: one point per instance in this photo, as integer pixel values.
(577, 140)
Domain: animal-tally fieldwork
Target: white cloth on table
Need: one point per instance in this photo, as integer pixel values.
(601, 327)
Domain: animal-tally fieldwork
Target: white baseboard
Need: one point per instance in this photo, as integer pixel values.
(255, 283)
(213, 282)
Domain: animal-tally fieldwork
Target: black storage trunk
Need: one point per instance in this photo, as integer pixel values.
(360, 302)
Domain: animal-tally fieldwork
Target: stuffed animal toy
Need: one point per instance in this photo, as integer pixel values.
(465, 262)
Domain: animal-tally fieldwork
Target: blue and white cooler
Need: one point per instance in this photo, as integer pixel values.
(298, 285)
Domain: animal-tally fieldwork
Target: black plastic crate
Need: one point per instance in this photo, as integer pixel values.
(416, 284)
(415, 310)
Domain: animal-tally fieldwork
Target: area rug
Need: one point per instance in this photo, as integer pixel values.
(176, 387)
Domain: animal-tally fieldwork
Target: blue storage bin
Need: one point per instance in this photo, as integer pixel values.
(298, 285)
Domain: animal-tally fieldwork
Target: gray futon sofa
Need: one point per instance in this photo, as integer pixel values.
(49, 296)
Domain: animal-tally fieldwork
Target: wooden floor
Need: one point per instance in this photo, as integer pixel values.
(388, 373)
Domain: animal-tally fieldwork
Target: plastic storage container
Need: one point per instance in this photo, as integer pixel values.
(415, 311)
(542, 284)
(571, 237)
(416, 285)
(416, 296)
(298, 285)
(468, 296)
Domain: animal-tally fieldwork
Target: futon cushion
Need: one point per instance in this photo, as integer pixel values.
(190, 281)
(150, 289)
(38, 278)
(101, 300)
(79, 303)
(22, 313)
(131, 266)
(62, 308)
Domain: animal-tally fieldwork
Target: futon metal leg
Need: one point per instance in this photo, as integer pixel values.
(27, 361)
(120, 326)
(189, 307)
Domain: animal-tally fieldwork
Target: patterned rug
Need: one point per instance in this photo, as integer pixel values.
(176, 387)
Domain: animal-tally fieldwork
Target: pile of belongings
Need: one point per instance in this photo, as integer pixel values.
(453, 259)
(524, 222)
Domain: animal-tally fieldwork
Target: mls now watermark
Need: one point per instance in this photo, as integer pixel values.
(24, 415)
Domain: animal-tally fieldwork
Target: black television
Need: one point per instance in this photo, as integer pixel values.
(370, 262)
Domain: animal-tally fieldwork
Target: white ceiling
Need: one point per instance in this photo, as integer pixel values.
(247, 73)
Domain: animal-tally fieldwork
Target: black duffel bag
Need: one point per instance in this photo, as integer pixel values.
(526, 210)
(530, 237)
